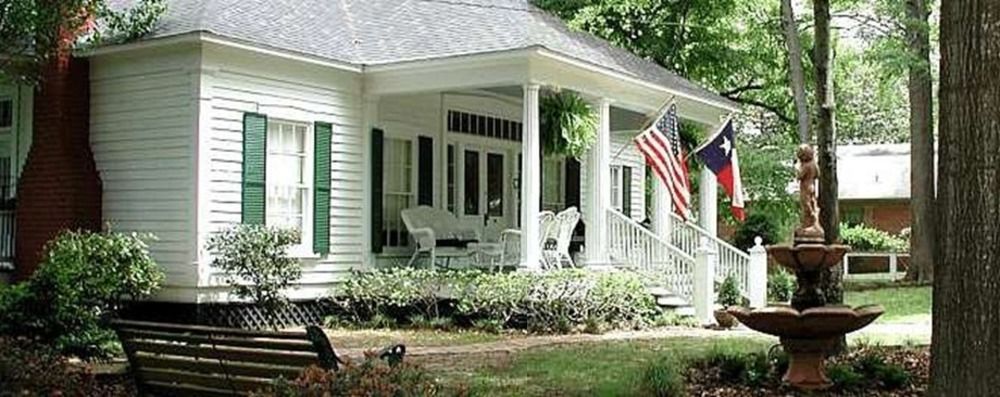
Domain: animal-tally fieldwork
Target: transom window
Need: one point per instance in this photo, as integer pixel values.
(289, 176)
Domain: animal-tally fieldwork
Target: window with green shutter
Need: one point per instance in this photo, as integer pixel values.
(321, 191)
(254, 168)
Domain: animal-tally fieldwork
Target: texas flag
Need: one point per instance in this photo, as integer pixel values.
(719, 154)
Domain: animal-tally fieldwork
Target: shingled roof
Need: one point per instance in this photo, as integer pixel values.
(377, 32)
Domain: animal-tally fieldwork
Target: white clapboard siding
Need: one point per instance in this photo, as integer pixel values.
(142, 118)
(240, 82)
(630, 157)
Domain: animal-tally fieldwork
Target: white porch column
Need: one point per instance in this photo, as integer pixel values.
(758, 274)
(531, 177)
(708, 192)
(599, 191)
(662, 207)
(704, 283)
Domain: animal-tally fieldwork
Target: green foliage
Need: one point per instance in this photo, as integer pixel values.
(665, 378)
(32, 31)
(873, 366)
(866, 239)
(82, 281)
(757, 224)
(557, 301)
(781, 285)
(729, 292)
(28, 368)
(256, 262)
(115, 26)
(844, 376)
(371, 377)
(568, 124)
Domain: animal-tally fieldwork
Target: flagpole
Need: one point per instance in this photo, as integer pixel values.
(649, 121)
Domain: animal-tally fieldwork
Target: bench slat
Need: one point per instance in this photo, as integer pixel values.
(282, 344)
(215, 381)
(254, 370)
(200, 329)
(228, 354)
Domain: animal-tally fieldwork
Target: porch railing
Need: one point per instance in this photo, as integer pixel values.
(687, 237)
(636, 248)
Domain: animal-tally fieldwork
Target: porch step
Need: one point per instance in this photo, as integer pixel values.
(668, 300)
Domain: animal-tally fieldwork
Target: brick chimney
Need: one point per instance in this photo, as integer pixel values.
(59, 188)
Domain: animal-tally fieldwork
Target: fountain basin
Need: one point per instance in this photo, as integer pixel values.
(807, 335)
(808, 257)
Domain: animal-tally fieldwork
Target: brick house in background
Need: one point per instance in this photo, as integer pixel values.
(875, 185)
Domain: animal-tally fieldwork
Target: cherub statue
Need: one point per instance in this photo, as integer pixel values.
(809, 229)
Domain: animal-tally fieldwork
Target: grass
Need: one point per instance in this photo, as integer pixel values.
(599, 369)
(378, 338)
(904, 304)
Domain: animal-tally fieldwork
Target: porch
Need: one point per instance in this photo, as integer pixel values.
(462, 135)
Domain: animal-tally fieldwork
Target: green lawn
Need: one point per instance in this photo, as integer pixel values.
(598, 369)
(909, 304)
(378, 338)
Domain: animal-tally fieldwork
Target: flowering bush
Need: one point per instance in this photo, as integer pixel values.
(32, 369)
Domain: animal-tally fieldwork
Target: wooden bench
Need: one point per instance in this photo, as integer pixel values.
(190, 360)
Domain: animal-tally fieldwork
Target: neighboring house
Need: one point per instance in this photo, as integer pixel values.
(874, 185)
(332, 117)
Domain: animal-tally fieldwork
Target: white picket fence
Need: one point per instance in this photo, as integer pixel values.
(636, 248)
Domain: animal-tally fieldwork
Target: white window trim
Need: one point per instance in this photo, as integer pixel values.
(616, 188)
(412, 194)
(303, 250)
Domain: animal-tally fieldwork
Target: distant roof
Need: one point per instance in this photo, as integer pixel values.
(873, 172)
(373, 32)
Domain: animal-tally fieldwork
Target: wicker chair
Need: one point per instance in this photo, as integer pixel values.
(556, 251)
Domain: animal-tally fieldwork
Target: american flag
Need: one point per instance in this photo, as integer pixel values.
(661, 145)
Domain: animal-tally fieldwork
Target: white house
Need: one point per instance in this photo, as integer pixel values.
(276, 111)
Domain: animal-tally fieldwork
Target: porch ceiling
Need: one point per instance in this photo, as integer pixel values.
(506, 71)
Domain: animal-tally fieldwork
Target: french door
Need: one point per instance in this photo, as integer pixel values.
(485, 192)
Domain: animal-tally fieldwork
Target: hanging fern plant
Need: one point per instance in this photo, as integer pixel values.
(568, 124)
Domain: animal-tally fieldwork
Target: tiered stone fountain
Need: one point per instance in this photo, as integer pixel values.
(810, 328)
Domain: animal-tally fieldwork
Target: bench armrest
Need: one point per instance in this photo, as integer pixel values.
(424, 237)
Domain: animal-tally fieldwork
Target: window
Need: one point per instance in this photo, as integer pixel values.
(486, 126)
(6, 115)
(289, 177)
(398, 193)
(494, 184)
(471, 182)
(553, 184)
(451, 179)
(616, 187)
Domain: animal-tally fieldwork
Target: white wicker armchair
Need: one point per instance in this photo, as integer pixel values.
(556, 252)
(510, 239)
(429, 225)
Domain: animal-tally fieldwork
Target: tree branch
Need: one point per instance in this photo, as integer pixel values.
(770, 108)
(749, 86)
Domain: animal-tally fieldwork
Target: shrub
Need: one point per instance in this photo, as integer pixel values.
(781, 285)
(756, 224)
(866, 239)
(748, 368)
(873, 366)
(844, 376)
(255, 259)
(82, 281)
(558, 301)
(665, 378)
(729, 292)
(372, 377)
(32, 369)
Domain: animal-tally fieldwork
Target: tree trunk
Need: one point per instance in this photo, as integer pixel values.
(795, 73)
(922, 234)
(965, 349)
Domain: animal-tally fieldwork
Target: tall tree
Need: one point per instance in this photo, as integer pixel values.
(922, 236)
(965, 348)
(826, 141)
(795, 73)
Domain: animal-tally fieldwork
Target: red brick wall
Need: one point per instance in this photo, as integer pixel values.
(59, 187)
(890, 216)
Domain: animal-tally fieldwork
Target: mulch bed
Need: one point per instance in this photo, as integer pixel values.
(708, 382)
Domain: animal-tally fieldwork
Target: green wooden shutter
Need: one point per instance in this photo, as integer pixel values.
(254, 167)
(321, 188)
(378, 137)
(627, 191)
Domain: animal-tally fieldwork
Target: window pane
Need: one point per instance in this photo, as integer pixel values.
(6, 113)
(397, 178)
(471, 183)
(494, 187)
(286, 183)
